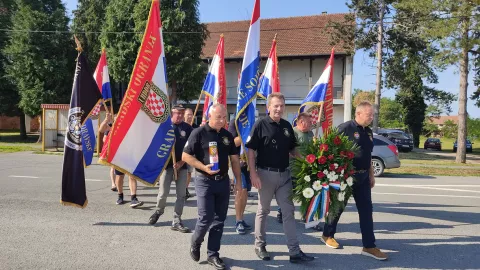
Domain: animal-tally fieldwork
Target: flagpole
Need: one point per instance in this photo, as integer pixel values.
(318, 120)
(196, 108)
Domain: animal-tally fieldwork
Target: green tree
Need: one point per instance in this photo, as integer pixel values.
(473, 127)
(88, 19)
(449, 129)
(185, 69)
(119, 39)
(40, 64)
(451, 26)
(391, 114)
(8, 93)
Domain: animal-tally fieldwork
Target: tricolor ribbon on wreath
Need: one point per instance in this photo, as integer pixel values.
(320, 201)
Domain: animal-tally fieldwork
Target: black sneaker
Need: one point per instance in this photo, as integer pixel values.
(301, 257)
(180, 228)
(246, 226)
(195, 253)
(120, 201)
(279, 217)
(154, 218)
(135, 203)
(188, 195)
(232, 189)
(217, 263)
(262, 253)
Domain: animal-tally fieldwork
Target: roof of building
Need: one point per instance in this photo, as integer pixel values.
(296, 36)
(440, 120)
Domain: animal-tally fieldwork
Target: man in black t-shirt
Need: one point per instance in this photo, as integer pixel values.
(189, 120)
(182, 132)
(208, 150)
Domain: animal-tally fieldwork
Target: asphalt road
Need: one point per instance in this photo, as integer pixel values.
(421, 222)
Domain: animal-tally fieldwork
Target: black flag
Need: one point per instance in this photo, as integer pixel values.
(85, 96)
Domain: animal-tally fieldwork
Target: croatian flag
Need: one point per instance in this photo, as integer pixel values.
(248, 86)
(215, 86)
(312, 104)
(142, 136)
(102, 78)
(270, 81)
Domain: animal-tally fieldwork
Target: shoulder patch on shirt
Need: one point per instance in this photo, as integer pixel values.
(226, 141)
(285, 131)
(183, 133)
(356, 135)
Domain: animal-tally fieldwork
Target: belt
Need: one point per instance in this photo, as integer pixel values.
(272, 169)
(214, 177)
(361, 171)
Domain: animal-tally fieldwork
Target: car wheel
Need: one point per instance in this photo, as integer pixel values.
(454, 149)
(377, 166)
(425, 148)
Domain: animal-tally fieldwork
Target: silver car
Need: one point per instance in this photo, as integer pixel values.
(384, 155)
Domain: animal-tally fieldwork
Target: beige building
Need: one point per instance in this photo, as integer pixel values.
(303, 49)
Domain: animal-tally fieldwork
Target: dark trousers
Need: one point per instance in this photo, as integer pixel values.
(362, 194)
(212, 203)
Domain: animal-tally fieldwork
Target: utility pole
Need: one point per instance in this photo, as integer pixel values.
(378, 90)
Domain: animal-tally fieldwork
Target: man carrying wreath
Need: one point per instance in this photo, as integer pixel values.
(358, 131)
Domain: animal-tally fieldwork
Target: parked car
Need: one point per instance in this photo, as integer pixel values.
(433, 143)
(469, 146)
(399, 138)
(384, 155)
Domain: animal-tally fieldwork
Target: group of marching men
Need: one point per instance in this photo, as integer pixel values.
(210, 148)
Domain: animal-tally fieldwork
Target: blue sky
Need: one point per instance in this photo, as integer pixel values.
(364, 68)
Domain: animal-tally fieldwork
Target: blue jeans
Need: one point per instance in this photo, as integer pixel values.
(212, 203)
(362, 193)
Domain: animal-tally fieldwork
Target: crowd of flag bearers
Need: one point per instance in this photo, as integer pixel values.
(151, 141)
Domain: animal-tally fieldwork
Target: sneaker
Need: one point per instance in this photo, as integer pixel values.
(262, 253)
(154, 218)
(188, 195)
(374, 253)
(239, 228)
(330, 242)
(135, 203)
(251, 195)
(318, 227)
(279, 217)
(232, 189)
(217, 263)
(120, 201)
(245, 225)
(301, 257)
(180, 228)
(195, 253)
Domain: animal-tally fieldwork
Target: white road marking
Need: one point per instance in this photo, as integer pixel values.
(94, 180)
(25, 176)
(426, 195)
(393, 185)
(433, 188)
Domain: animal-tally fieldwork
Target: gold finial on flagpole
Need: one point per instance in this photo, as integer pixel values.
(79, 46)
(221, 35)
(275, 38)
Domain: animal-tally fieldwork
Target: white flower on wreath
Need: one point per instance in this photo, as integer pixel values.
(336, 165)
(308, 193)
(317, 185)
(341, 196)
(342, 172)
(325, 172)
(307, 178)
(343, 186)
(350, 181)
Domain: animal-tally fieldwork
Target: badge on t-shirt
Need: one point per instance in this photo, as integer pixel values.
(285, 131)
(226, 141)
(356, 135)
(183, 133)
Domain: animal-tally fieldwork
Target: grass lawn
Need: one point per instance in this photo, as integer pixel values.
(433, 171)
(10, 142)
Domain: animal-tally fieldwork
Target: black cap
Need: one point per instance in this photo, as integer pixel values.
(178, 108)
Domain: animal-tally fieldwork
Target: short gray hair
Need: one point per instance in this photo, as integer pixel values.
(215, 106)
(275, 95)
(364, 104)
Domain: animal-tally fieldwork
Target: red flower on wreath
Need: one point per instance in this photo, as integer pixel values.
(331, 167)
(320, 175)
(324, 147)
(350, 155)
(330, 157)
(345, 175)
(351, 172)
(339, 169)
(310, 158)
(342, 153)
(322, 160)
(337, 140)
